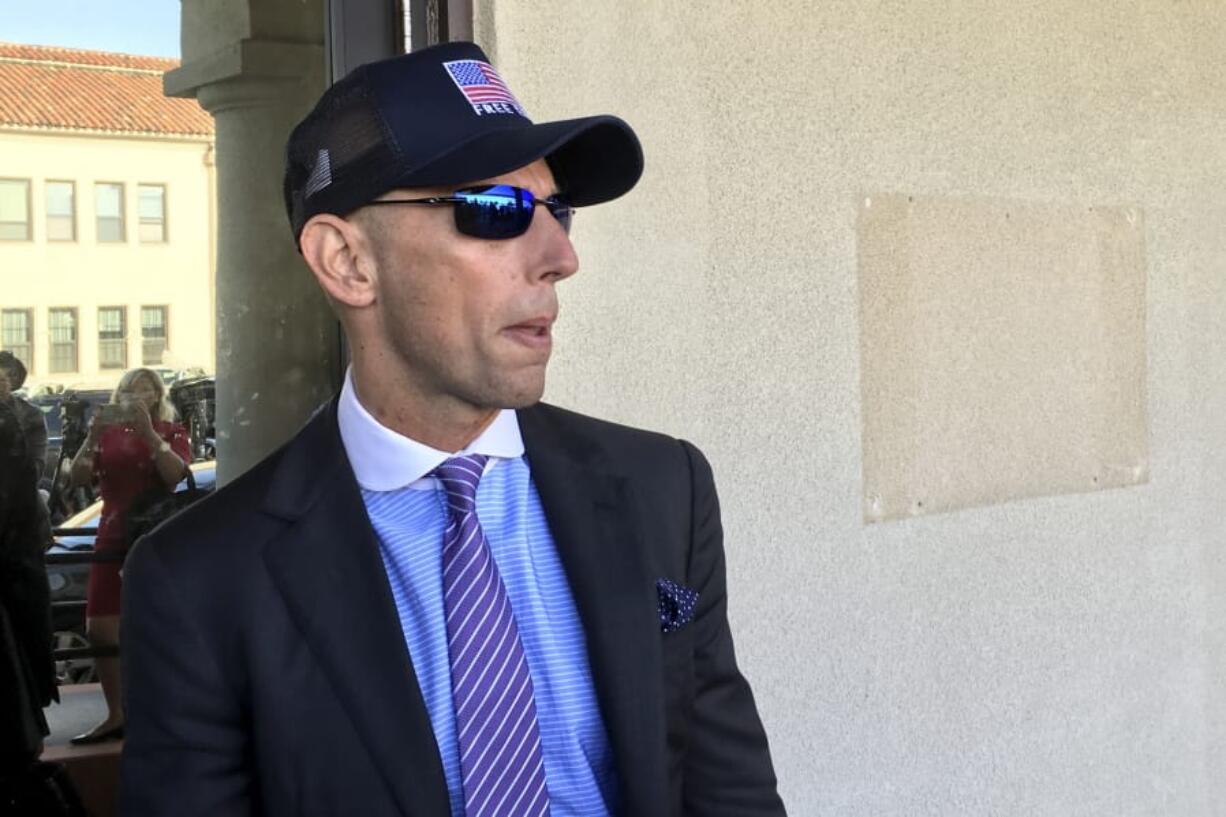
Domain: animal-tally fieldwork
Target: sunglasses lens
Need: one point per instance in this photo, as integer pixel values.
(494, 212)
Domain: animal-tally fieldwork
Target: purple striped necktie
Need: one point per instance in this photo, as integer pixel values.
(495, 711)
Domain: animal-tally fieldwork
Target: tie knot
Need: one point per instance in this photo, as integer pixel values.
(460, 476)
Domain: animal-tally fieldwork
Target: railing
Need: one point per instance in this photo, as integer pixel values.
(82, 557)
(74, 531)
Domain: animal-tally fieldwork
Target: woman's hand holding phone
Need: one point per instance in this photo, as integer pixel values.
(142, 423)
(113, 413)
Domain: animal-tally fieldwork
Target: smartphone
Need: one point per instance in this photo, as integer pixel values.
(111, 413)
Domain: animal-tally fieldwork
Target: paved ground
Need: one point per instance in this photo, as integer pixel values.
(94, 769)
(80, 708)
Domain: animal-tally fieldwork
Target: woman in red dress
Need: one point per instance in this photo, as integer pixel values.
(134, 447)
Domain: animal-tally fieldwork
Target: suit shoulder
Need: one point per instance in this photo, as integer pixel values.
(627, 445)
(595, 428)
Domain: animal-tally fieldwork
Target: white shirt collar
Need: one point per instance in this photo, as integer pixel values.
(384, 460)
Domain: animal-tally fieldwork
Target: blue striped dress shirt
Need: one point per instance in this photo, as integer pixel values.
(409, 513)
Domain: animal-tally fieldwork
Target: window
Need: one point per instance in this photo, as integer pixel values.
(63, 326)
(152, 206)
(112, 338)
(17, 335)
(108, 207)
(153, 334)
(15, 209)
(61, 211)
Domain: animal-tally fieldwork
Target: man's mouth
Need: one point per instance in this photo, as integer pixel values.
(535, 333)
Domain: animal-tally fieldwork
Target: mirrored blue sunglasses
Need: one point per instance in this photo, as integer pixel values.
(495, 211)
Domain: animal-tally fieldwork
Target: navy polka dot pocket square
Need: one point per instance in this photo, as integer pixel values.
(676, 605)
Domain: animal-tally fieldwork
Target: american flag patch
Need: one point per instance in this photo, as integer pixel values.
(483, 88)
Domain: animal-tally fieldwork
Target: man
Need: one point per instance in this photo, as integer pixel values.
(443, 597)
(27, 673)
(33, 424)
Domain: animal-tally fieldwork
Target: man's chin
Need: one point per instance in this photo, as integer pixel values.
(520, 395)
(525, 400)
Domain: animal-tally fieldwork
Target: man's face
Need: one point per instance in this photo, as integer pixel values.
(468, 319)
(6, 383)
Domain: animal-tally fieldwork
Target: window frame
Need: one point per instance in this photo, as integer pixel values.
(28, 361)
(123, 214)
(72, 212)
(103, 364)
(76, 340)
(165, 326)
(29, 222)
(165, 219)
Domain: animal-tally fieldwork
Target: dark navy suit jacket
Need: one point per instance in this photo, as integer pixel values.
(266, 672)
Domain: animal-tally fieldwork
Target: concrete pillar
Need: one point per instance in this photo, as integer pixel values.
(257, 66)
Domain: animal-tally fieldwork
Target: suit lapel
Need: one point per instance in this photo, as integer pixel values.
(328, 569)
(597, 532)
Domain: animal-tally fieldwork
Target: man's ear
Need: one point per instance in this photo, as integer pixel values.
(340, 254)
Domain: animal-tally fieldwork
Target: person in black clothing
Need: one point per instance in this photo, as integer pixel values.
(27, 672)
(29, 418)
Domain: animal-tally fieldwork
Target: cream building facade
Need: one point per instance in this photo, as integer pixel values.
(107, 223)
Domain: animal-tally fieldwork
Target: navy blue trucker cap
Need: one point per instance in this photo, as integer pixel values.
(436, 117)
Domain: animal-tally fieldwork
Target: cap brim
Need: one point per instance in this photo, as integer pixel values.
(593, 159)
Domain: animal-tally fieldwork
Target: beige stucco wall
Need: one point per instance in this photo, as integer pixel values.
(86, 274)
(1056, 656)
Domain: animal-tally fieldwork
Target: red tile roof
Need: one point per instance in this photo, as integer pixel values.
(66, 88)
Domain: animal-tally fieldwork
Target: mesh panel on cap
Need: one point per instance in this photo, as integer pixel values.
(339, 157)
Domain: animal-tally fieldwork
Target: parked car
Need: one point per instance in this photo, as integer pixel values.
(68, 582)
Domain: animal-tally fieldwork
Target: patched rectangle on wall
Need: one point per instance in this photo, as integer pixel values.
(1002, 351)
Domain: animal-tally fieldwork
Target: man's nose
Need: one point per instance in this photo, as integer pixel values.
(558, 259)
